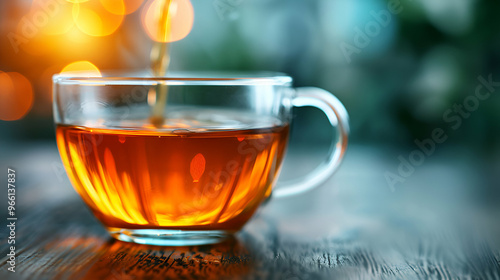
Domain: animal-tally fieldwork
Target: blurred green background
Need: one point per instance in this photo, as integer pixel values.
(398, 66)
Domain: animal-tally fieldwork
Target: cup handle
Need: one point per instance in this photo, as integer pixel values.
(339, 120)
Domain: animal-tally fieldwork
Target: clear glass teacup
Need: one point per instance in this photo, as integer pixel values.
(186, 159)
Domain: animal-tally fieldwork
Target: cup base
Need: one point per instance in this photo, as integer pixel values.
(161, 237)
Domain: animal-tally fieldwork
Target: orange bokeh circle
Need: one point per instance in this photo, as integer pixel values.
(93, 19)
(81, 68)
(121, 7)
(51, 17)
(16, 95)
(179, 21)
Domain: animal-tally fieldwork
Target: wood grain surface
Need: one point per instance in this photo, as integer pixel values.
(441, 223)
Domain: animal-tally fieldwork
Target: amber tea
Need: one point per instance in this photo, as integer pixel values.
(172, 179)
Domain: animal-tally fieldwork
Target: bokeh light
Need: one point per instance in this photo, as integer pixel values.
(16, 94)
(116, 7)
(37, 46)
(121, 7)
(6, 85)
(93, 19)
(179, 21)
(51, 17)
(77, 1)
(81, 69)
(197, 167)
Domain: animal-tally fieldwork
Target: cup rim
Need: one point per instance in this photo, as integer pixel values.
(213, 78)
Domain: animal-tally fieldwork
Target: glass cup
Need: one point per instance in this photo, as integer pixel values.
(187, 159)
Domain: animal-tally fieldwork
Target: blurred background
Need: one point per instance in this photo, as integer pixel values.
(397, 65)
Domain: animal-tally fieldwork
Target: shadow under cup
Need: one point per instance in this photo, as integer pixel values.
(194, 177)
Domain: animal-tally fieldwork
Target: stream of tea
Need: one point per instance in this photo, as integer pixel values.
(160, 59)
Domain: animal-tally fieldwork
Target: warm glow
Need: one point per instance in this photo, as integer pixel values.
(116, 7)
(179, 21)
(6, 85)
(37, 46)
(121, 7)
(81, 69)
(52, 17)
(16, 95)
(93, 19)
(77, 1)
(197, 167)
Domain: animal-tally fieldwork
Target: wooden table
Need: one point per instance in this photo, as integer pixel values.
(441, 223)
